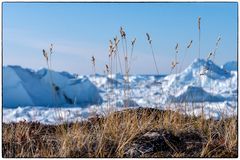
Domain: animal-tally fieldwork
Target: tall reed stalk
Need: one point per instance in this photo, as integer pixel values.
(108, 94)
(75, 98)
(126, 79)
(46, 56)
(93, 60)
(155, 63)
(53, 86)
(185, 54)
(116, 59)
(130, 62)
(153, 54)
(212, 57)
(199, 54)
(50, 55)
(94, 66)
(199, 37)
(182, 63)
(132, 48)
(174, 66)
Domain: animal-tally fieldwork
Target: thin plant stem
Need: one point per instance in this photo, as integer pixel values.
(153, 54)
(126, 73)
(124, 88)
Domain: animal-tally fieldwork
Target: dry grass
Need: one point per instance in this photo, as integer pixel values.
(111, 135)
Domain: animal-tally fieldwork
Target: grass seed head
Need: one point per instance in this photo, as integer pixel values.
(93, 60)
(110, 43)
(107, 68)
(190, 44)
(174, 63)
(217, 43)
(218, 40)
(133, 41)
(199, 23)
(111, 48)
(148, 38)
(116, 41)
(45, 54)
(176, 48)
(209, 56)
(122, 32)
(51, 48)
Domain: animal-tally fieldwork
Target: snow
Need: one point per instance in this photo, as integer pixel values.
(197, 94)
(214, 81)
(29, 92)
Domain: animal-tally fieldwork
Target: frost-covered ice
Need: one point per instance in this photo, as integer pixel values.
(73, 114)
(25, 87)
(230, 66)
(216, 90)
(52, 115)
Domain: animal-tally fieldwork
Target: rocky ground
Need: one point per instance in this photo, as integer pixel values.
(142, 132)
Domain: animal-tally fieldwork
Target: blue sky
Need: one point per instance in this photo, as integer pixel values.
(80, 30)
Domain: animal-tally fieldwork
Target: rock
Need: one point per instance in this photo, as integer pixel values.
(154, 141)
